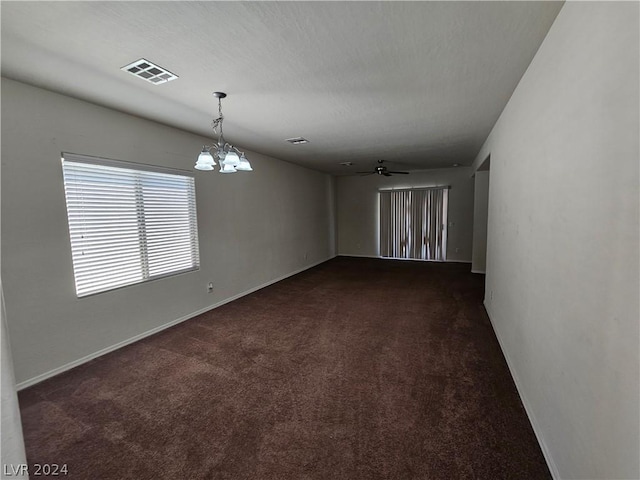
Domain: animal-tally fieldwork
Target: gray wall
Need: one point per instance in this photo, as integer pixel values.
(480, 212)
(254, 228)
(562, 274)
(358, 205)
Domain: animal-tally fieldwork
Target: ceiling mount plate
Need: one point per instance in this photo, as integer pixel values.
(219, 94)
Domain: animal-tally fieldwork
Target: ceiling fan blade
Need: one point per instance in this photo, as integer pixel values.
(386, 174)
(364, 174)
(402, 173)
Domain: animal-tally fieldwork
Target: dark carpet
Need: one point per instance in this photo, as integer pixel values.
(355, 369)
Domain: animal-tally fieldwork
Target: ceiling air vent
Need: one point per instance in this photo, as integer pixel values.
(297, 140)
(149, 71)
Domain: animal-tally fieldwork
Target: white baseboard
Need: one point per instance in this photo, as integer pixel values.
(359, 256)
(99, 353)
(532, 419)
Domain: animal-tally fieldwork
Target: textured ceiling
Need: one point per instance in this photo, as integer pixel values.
(420, 83)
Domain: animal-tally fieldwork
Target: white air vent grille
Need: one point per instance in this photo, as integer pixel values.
(297, 140)
(149, 71)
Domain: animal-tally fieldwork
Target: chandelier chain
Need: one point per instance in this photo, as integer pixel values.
(217, 123)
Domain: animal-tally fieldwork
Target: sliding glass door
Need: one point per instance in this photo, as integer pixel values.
(413, 223)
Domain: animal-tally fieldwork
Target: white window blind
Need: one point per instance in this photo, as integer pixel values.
(413, 223)
(128, 223)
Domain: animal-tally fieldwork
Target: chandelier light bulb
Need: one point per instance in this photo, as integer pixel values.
(205, 160)
(244, 165)
(200, 166)
(226, 168)
(205, 157)
(232, 159)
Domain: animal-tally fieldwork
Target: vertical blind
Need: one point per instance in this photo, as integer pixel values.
(413, 223)
(128, 223)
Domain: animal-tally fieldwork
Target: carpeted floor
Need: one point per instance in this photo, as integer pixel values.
(356, 369)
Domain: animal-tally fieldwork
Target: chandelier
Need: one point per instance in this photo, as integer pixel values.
(231, 159)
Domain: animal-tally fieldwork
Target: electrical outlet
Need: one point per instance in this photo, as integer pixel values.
(210, 287)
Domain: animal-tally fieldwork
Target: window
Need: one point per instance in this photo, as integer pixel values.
(413, 223)
(128, 223)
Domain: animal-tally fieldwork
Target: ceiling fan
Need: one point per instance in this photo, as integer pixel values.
(380, 169)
